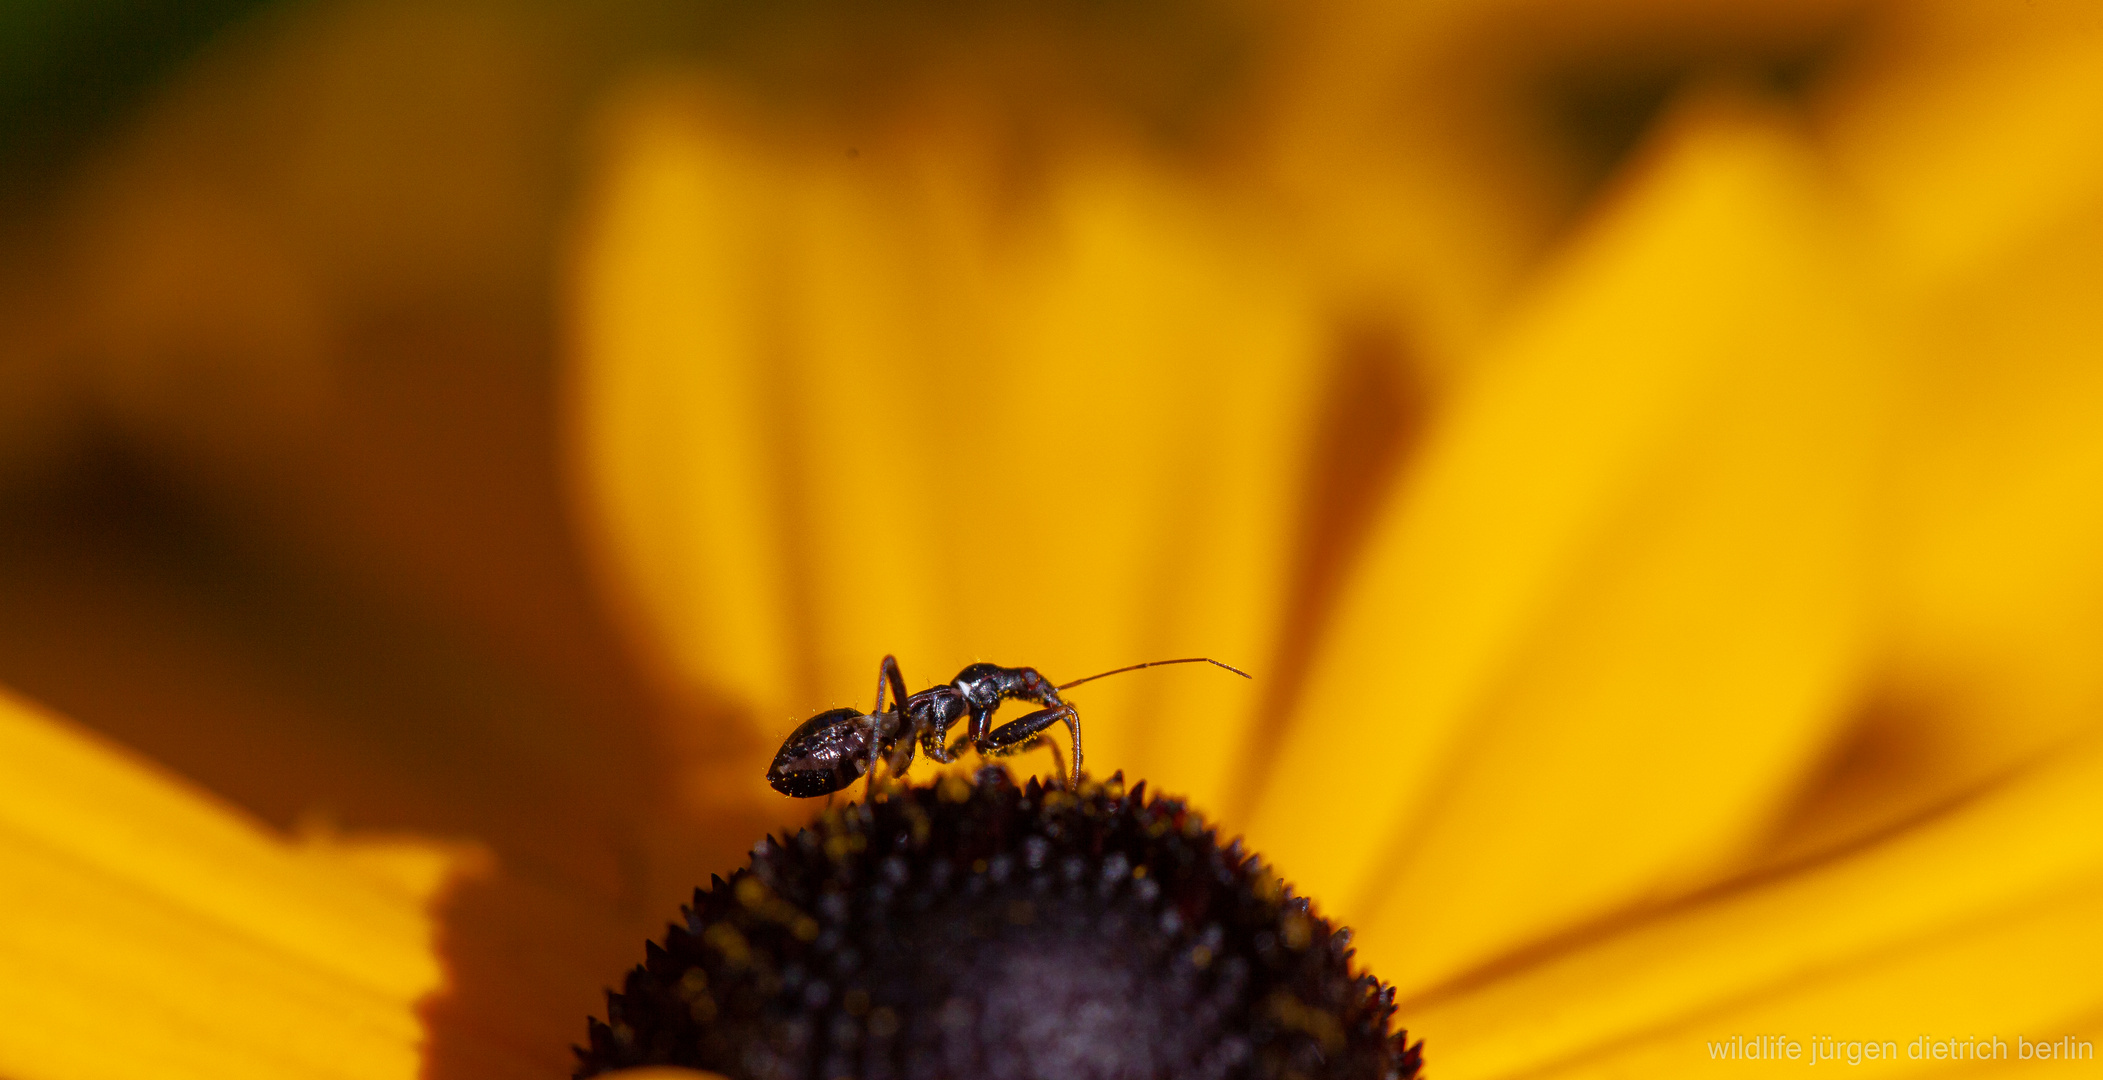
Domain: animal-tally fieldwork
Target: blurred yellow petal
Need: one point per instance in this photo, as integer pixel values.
(1986, 921)
(1999, 602)
(1968, 128)
(150, 931)
(1619, 608)
(840, 404)
(1972, 138)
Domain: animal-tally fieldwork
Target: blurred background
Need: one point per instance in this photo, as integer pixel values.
(501, 420)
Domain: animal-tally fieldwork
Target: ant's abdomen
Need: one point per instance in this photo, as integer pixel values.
(823, 755)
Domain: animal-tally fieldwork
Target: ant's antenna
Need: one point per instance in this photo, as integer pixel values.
(1157, 663)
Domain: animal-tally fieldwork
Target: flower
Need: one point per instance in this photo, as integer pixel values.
(1667, 571)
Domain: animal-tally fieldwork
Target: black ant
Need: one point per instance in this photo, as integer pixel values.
(835, 748)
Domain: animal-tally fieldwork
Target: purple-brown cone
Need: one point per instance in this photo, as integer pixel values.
(981, 931)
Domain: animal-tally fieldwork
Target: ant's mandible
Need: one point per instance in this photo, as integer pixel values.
(835, 748)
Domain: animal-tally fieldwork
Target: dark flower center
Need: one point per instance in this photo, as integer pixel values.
(981, 931)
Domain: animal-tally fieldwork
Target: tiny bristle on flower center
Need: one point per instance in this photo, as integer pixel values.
(976, 930)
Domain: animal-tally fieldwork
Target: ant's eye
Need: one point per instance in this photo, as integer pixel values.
(981, 930)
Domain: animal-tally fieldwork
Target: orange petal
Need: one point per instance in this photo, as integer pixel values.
(149, 930)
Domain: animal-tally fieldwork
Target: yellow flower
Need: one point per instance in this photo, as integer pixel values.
(1719, 663)
(1673, 602)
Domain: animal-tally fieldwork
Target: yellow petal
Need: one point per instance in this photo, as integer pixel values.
(1982, 922)
(840, 406)
(1969, 128)
(146, 930)
(1620, 607)
(1999, 598)
(1973, 136)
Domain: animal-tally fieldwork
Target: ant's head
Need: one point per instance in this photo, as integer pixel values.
(824, 754)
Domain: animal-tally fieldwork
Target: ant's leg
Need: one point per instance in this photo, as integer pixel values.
(931, 745)
(1017, 735)
(981, 722)
(875, 725)
(900, 759)
(1073, 725)
(887, 673)
(934, 712)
